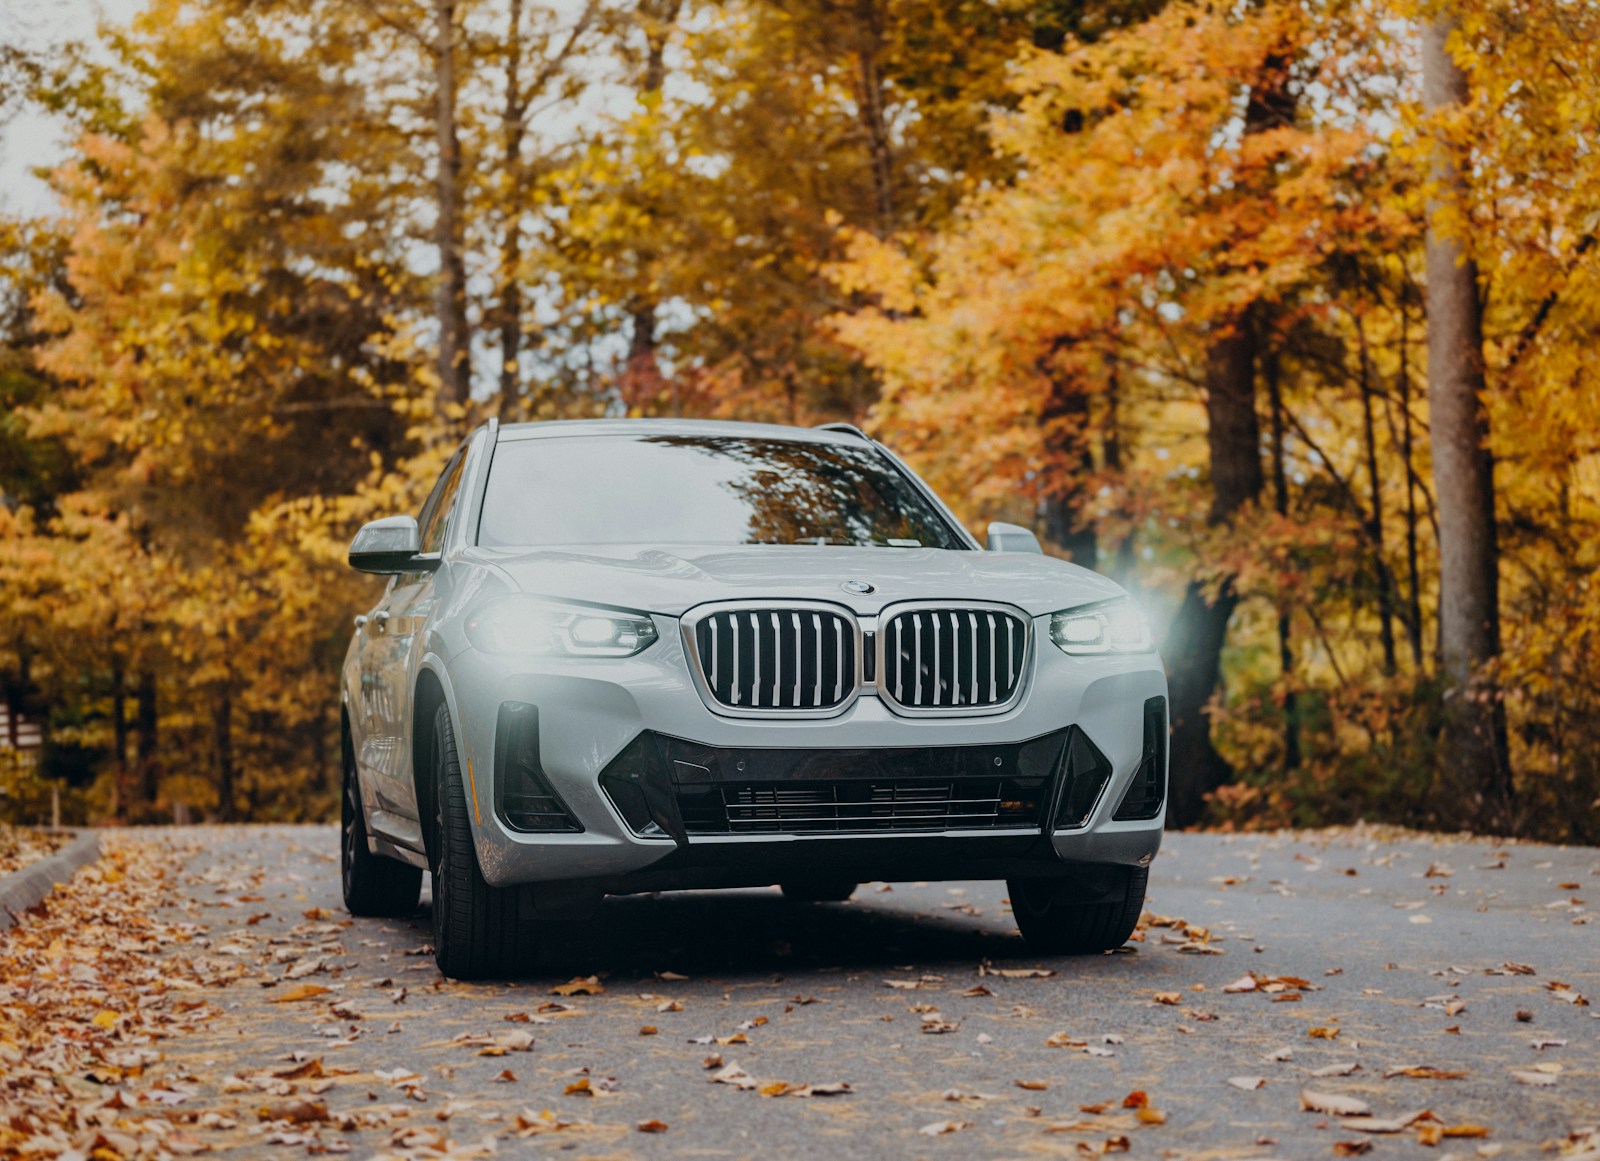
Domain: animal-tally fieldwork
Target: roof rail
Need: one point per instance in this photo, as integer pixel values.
(845, 428)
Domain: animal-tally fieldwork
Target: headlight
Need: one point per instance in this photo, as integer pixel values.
(535, 628)
(1114, 626)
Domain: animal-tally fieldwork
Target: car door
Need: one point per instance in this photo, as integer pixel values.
(388, 641)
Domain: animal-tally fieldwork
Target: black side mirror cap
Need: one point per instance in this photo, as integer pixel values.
(390, 545)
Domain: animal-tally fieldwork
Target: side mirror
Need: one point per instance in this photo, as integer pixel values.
(390, 545)
(1012, 538)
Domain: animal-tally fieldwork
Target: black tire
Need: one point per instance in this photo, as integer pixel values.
(478, 930)
(818, 890)
(1055, 919)
(373, 885)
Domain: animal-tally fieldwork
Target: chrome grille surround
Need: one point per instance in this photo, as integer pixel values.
(774, 658)
(952, 658)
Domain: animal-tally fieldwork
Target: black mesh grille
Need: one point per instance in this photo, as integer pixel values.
(864, 791)
(953, 658)
(787, 659)
(866, 807)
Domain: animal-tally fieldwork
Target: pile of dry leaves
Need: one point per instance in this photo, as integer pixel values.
(86, 1000)
(21, 845)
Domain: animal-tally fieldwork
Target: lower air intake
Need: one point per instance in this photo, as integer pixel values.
(734, 792)
(523, 796)
(1149, 787)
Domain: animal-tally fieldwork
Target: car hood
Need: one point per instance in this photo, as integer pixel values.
(654, 580)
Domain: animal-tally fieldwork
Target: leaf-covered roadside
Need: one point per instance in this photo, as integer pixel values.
(87, 1003)
(20, 846)
(201, 991)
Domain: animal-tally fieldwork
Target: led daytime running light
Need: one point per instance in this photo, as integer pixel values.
(1115, 626)
(526, 626)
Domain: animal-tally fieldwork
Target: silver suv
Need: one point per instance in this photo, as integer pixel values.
(619, 656)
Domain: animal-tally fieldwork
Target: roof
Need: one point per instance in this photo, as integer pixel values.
(641, 427)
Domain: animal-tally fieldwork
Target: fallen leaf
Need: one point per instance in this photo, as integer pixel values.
(1247, 1083)
(1168, 998)
(1341, 1069)
(1032, 1085)
(1565, 993)
(1384, 1124)
(580, 986)
(1536, 1079)
(1424, 1072)
(299, 1112)
(651, 1126)
(940, 1128)
(1333, 1104)
(301, 992)
(1351, 1148)
(1074, 1127)
(1323, 1033)
(1149, 1116)
(1137, 1099)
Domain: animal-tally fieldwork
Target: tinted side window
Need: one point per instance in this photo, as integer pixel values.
(437, 510)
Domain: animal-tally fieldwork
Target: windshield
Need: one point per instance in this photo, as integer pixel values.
(702, 489)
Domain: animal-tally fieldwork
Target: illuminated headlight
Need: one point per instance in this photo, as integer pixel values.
(530, 627)
(1115, 626)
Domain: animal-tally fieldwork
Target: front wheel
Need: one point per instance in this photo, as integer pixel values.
(373, 886)
(478, 930)
(1079, 916)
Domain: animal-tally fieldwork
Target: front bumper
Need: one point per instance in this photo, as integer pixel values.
(590, 711)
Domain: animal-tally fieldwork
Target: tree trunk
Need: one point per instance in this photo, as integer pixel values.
(1413, 573)
(1066, 421)
(1280, 504)
(222, 747)
(119, 735)
(1233, 433)
(1474, 755)
(869, 106)
(1375, 516)
(1193, 648)
(455, 344)
(145, 724)
(644, 369)
(513, 129)
(1193, 652)
(1123, 569)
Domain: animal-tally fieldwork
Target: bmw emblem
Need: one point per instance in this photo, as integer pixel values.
(855, 586)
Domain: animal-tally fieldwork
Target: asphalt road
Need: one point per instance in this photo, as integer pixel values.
(1462, 956)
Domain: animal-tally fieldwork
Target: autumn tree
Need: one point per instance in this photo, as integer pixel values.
(1475, 748)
